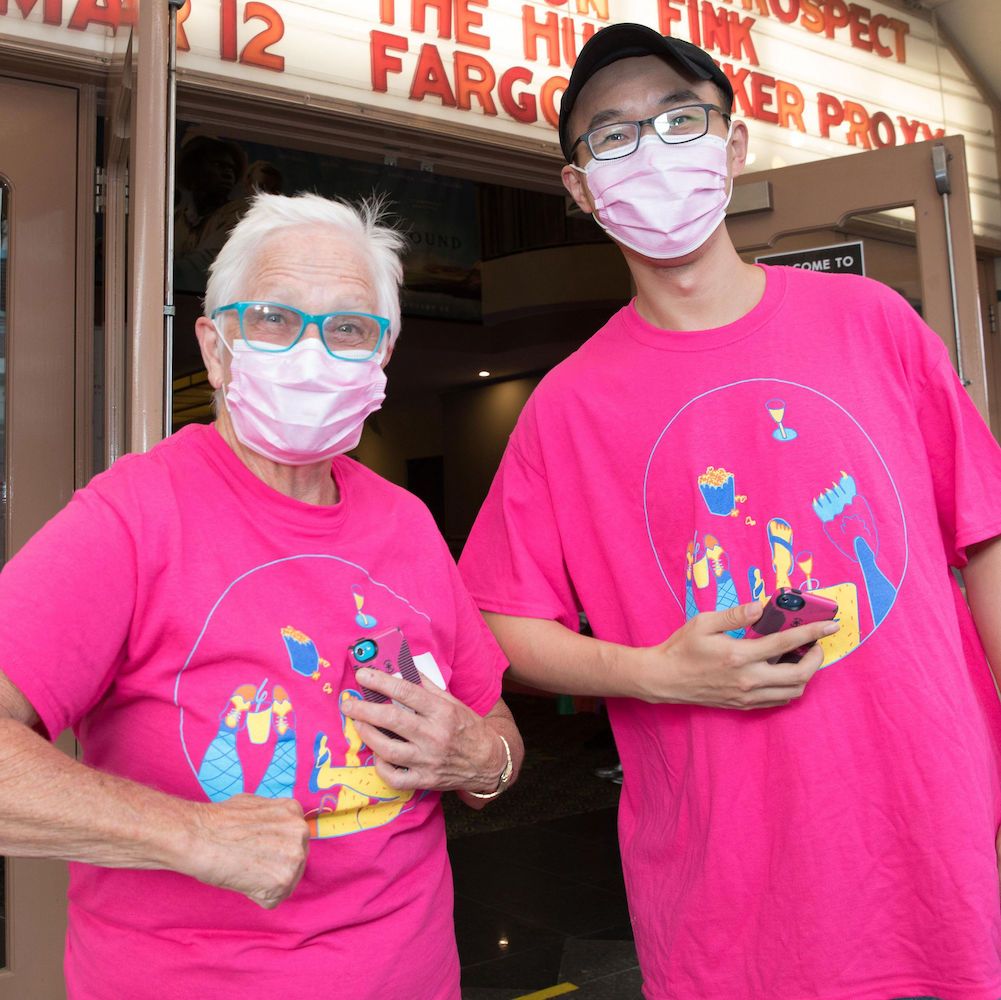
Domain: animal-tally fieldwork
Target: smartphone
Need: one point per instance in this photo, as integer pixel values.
(787, 608)
(389, 652)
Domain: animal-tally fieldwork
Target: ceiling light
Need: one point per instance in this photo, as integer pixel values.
(483, 374)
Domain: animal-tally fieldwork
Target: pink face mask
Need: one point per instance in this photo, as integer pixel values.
(663, 200)
(300, 406)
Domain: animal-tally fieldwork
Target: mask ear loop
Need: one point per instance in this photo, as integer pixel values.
(222, 340)
(729, 134)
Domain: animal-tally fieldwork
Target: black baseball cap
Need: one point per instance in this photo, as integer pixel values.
(621, 41)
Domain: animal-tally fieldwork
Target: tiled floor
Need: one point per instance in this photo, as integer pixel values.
(537, 906)
(540, 908)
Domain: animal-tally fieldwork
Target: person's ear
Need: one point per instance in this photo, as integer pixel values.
(576, 183)
(209, 342)
(736, 150)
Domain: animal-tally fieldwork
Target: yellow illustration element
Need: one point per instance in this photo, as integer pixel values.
(259, 725)
(749, 520)
(780, 540)
(714, 477)
(281, 706)
(714, 553)
(323, 664)
(240, 701)
(362, 800)
(850, 635)
(294, 633)
(700, 571)
(697, 568)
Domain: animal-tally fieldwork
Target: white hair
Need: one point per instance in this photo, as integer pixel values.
(380, 245)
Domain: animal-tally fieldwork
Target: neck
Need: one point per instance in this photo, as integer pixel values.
(307, 483)
(709, 288)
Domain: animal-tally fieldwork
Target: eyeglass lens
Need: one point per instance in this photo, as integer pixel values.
(277, 327)
(675, 125)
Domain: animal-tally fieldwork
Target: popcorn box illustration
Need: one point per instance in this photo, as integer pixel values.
(717, 489)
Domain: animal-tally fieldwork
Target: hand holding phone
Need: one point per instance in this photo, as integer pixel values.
(787, 608)
(389, 652)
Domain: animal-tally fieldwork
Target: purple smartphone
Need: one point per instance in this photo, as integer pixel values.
(389, 652)
(787, 608)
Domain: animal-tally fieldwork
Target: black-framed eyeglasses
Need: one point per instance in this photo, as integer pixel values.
(273, 327)
(681, 124)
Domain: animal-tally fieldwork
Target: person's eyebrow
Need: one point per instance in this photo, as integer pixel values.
(610, 115)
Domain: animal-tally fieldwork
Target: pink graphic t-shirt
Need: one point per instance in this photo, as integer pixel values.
(198, 630)
(841, 847)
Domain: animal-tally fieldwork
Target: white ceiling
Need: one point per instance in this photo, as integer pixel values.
(975, 26)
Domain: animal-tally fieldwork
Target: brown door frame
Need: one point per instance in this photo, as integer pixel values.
(822, 194)
(149, 202)
(50, 167)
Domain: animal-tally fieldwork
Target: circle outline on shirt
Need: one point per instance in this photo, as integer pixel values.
(797, 385)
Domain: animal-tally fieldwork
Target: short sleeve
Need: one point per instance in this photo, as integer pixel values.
(964, 459)
(513, 561)
(478, 665)
(66, 603)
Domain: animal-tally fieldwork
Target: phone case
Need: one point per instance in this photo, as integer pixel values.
(787, 608)
(389, 652)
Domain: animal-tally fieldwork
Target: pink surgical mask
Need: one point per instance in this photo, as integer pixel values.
(663, 200)
(300, 406)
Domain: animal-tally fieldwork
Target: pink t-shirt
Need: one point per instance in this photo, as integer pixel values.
(841, 847)
(197, 630)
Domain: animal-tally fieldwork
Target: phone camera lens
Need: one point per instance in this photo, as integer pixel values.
(364, 650)
(790, 602)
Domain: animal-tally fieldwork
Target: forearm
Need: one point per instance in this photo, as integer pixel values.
(547, 655)
(52, 806)
(701, 663)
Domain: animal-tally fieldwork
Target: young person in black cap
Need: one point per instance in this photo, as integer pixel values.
(786, 831)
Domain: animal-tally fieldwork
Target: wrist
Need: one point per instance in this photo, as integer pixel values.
(193, 847)
(503, 776)
(631, 671)
(651, 673)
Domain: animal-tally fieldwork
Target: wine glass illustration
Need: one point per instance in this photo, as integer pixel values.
(777, 410)
(805, 562)
(362, 619)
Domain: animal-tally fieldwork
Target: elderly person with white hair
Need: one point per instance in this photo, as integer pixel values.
(268, 658)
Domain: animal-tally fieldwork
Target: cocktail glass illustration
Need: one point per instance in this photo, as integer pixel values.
(700, 572)
(259, 718)
(805, 562)
(777, 409)
(363, 620)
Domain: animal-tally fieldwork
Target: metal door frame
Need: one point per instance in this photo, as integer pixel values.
(770, 204)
